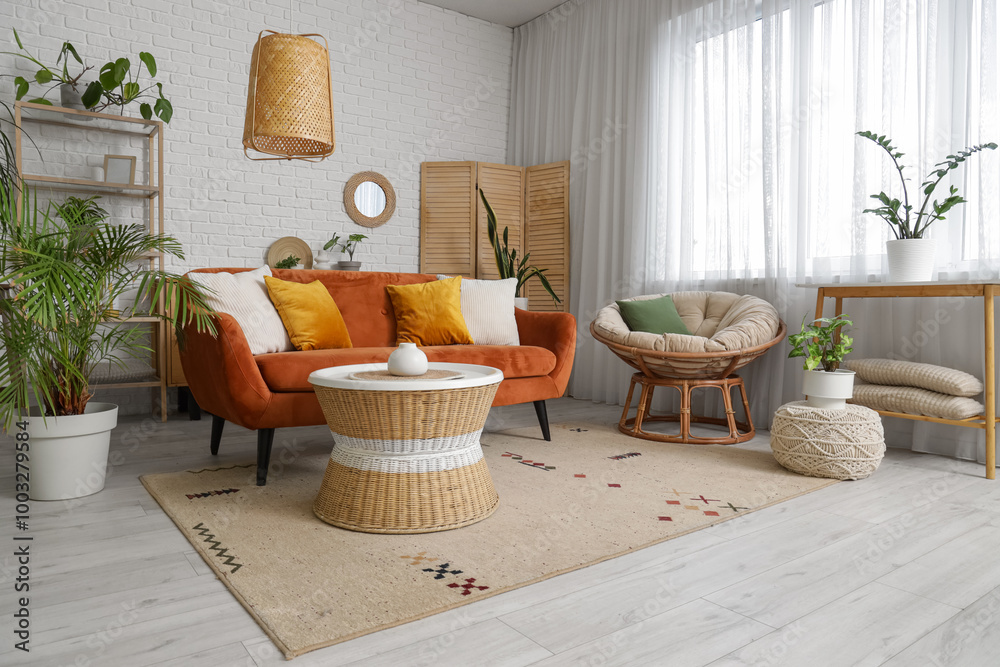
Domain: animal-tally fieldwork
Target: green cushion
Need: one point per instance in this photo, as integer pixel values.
(657, 316)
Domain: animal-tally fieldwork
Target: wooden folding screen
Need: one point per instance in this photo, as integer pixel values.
(532, 202)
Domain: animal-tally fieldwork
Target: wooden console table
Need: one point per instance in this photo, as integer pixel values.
(987, 291)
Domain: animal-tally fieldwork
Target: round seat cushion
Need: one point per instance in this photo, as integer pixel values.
(718, 322)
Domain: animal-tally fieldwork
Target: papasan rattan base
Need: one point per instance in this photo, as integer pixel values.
(738, 431)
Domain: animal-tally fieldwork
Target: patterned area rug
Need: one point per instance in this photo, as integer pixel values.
(589, 495)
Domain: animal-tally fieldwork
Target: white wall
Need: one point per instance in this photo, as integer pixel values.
(411, 82)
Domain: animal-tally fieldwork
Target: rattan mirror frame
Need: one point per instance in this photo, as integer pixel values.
(352, 208)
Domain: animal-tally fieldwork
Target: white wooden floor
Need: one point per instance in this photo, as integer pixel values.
(901, 569)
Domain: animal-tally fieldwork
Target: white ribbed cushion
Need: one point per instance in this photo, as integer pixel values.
(911, 374)
(915, 401)
(488, 309)
(244, 296)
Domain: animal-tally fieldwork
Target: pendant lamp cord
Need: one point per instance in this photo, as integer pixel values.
(291, 28)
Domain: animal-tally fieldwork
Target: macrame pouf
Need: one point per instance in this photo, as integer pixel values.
(840, 444)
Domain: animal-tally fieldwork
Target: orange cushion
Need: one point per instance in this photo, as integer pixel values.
(309, 313)
(289, 371)
(430, 313)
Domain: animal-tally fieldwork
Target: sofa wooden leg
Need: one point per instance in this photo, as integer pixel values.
(543, 419)
(265, 438)
(217, 424)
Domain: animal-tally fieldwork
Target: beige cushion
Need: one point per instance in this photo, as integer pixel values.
(911, 374)
(488, 309)
(718, 321)
(244, 296)
(915, 401)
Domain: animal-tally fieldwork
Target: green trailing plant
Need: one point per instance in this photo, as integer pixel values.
(508, 265)
(288, 263)
(58, 312)
(898, 214)
(351, 244)
(117, 84)
(822, 343)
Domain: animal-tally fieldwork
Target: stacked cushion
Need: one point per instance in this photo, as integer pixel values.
(914, 388)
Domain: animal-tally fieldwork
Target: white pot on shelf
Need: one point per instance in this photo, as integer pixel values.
(408, 359)
(521, 302)
(910, 260)
(69, 454)
(826, 390)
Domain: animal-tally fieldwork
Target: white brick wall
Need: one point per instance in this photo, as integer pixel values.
(411, 82)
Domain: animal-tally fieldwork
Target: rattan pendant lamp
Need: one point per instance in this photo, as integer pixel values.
(289, 99)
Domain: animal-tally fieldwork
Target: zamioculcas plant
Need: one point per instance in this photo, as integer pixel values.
(896, 213)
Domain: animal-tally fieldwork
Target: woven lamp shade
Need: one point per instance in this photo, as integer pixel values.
(290, 99)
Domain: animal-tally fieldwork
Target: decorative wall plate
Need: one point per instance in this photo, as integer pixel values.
(290, 245)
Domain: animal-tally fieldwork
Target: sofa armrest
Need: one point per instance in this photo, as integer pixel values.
(555, 332)
(222, 374)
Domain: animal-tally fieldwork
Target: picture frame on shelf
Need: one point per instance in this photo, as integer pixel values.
(119, 169)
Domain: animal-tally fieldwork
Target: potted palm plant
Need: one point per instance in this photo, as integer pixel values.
(911, 254)
(508, 265)
(823, 345)
(58, 321)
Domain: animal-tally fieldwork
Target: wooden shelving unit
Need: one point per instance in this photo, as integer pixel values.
(987, 291)
(151, 131)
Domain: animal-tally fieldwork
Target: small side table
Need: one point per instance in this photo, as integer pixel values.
(839, 444)
(406, 455)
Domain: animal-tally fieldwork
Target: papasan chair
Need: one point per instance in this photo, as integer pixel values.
(728, 332)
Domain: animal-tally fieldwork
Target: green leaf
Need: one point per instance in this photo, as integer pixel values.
(92, 95)
(146, 112)
(149, 61)
(107, 77)
(17, 39)
(21, 86)
(41, 100)
(70, 48)
(164, 110)
(43, 75)
(130, 91)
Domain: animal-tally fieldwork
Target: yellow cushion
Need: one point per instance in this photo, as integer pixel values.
(309, 313)
(430, 313)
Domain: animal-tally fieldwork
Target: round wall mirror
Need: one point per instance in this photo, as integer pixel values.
(369, 199)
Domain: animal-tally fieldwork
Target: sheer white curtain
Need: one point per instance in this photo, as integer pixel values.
(712, 147)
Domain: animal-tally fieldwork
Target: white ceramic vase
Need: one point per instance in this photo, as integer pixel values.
(910, 260)
(69, 455)
(521, 302)
(828, 391)
(408, 359)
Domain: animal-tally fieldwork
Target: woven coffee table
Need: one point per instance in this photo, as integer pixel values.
(406, 456)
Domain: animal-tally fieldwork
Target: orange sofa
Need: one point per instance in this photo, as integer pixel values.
(270, 391)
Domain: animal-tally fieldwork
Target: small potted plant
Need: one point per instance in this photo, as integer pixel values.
(508, 265)
(823, 346)
(349, 246)
(59, 321)
(911, 254)
(117, 85)
(290, 262)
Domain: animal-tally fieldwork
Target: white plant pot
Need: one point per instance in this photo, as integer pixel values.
(408, 359)
(349, 266)
(69, 455)
(828, 391)
(910, 260)
(521, 302)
